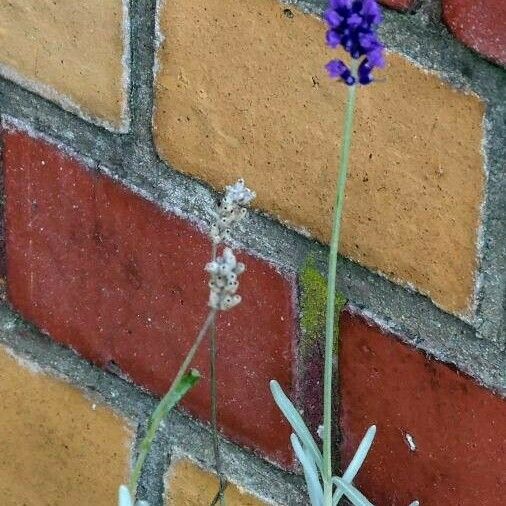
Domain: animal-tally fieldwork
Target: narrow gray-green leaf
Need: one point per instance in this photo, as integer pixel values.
(296, 421)
(356, 462)
(310, 472)
(353, 494)
(124, 497)
(360, 454)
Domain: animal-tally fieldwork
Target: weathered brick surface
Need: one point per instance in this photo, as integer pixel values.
(111, 275)
(401, 5)
(2, 230)
(458, 427)
(56, 446)
(248, 96)
(480, 24)
(189, 485)
(68, 51)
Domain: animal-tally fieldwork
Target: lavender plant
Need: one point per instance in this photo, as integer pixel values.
(224, 271)
(352, 26)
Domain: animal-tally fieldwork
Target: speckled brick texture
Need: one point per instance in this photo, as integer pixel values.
(441, 437)
(401, 5)
(109, 274)
(57, 447)
(74, 53)
(249, 97)
(479, 24)
(189, 485)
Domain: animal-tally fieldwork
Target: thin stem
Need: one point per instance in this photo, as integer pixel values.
(160, 411)
(220, 494)
(331, 295)
(214, 407)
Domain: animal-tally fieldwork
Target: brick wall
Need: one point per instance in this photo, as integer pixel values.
(120, 124)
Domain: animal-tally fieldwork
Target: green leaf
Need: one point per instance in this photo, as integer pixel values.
(174, 395)
(353, 494)
(310, 472)
(296, 421)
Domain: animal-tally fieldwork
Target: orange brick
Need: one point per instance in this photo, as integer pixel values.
(189, 485)
(57, 447)
(71, 52)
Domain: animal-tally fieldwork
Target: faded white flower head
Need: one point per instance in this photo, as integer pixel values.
(231, 210)
(239, 193)
(224, 273)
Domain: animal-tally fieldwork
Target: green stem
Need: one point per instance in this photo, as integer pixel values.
(214, 407)
(161, 410)
(331, 295)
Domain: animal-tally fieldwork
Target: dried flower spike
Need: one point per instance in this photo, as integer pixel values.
(353, 25)
(224, 281)
(231, 210)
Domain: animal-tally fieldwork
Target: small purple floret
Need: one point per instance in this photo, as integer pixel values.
(352, 24)
(376, 57)
(332, 17)
(364, 72)
(338, 69)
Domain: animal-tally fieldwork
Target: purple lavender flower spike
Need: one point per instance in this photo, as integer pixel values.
(353, 25)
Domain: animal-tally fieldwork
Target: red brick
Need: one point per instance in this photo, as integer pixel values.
(458, 427)
(109, 274)
(400, 5)
(2, 230)
(479, 24)
(52, 259)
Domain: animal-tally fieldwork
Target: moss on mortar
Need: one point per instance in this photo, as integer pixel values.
(313, 299)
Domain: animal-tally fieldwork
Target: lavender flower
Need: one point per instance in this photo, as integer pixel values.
(352, 25)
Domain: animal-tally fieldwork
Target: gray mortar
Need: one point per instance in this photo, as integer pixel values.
(180, 435)
(475, 347)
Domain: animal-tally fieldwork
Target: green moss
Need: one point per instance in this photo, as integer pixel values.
(313, 302)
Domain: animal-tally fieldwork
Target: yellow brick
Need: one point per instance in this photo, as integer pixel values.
(57, 448)
(188, 485)
(242, 91)
(68, 51)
